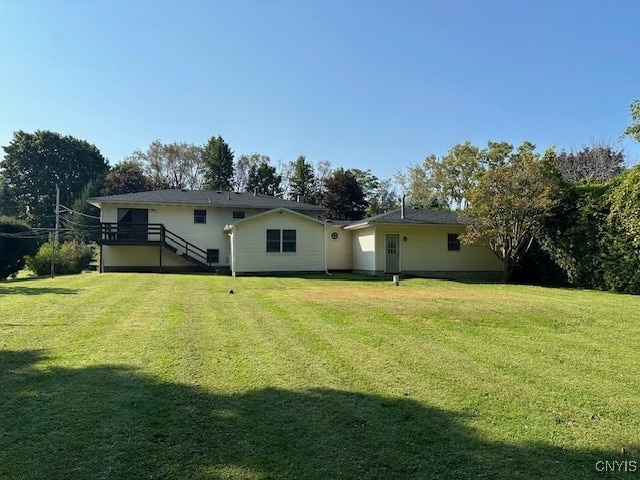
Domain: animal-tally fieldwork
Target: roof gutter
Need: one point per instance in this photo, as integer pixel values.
(357, 225)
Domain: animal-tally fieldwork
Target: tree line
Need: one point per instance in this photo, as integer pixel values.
(556, 217)
(564, 218)
(34, 163)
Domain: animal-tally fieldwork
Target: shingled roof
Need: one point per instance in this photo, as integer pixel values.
(413, 216)
(215, 198)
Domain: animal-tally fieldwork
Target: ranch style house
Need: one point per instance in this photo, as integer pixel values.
(245, 234)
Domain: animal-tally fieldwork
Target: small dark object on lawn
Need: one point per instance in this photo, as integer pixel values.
(231, 292)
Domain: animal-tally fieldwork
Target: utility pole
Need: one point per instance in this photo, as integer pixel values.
(57, 212)
(55, 237)
(52, 254)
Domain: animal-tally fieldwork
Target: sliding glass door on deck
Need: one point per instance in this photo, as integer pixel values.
(133, 223)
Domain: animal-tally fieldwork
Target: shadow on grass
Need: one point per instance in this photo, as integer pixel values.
(348, 277)
(16, 287)
(113, 422)
(468, 281)
(36, 290)
(388, 277)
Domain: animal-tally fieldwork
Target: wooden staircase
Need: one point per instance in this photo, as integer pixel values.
(156, 234)
(187, 250)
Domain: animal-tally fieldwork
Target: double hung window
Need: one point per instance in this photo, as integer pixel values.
(281, 241)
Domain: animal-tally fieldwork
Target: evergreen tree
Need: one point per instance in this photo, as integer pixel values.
(303, 181)
(218, 164)
(16, 240)
(84, 223)
(263, 179)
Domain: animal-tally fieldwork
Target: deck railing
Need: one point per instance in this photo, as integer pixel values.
(152, 233)
(129, 232)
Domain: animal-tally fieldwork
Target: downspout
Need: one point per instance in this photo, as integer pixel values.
(101, 266)
(232, 240)
(326, 269)
(235, 249)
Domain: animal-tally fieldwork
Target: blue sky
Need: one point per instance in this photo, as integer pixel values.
(363, 84)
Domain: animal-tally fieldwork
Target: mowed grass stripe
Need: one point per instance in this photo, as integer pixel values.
(378, 342)
(171, 376)
(500, 354)
(239, 338)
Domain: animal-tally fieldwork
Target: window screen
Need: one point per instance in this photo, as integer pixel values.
(453, 242)
(199, 216)
(288, 240)
(273, 240)
(213, 255)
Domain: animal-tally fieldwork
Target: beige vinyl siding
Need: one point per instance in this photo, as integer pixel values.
(340, 250)
(250, 245)
(364, 249)
(426, 250)
(140, 256)
(179, 220)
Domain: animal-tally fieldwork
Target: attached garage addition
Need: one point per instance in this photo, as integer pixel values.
(245, 233)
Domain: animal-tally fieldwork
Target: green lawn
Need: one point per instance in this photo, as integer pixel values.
(170, 376)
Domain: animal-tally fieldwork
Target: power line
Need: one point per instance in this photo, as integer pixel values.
(71, 210)
(80, 226)
(25, 235)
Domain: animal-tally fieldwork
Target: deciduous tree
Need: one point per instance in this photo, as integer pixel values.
(34, 163)
(284, 171)
(452, 177)
(126, 177)
(343, 196)
(384, 199)
(445, 182)
(625, 205)
(174, 165)
(634, 129)
(241, 170)
(599, 163)
(380, 195)
(510, 203)
(417, 186)
(496, 154)
(592, 234)
(324, 170)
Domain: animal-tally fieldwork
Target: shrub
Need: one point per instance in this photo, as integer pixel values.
(40, 263)
(70, 257)
(74, 257)
(592, 238)
(625, 204)
(14, 245)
